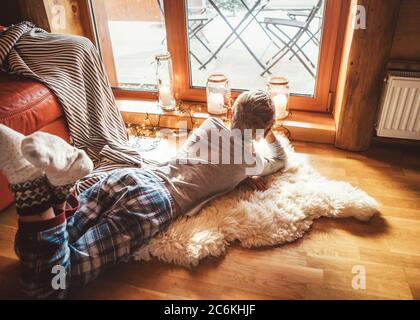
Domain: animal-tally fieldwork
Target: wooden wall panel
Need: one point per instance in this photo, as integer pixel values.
(369, 54)
(57, 16)
(9, 13)
(406, 45)
(64, 16)
(34, 11)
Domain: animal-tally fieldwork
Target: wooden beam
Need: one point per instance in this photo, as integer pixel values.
(35, 11)
(406, 44)
(9, 13)
(56, 16)
(64, 16)
(364, 73)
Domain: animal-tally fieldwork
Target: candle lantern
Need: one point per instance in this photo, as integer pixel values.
(164, 79)
(278, 88)
(218, 94)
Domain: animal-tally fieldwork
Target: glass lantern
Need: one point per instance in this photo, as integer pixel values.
(278, 88)
(218, 94)
(164, 80)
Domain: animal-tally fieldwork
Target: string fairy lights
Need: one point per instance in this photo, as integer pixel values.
(145, 135)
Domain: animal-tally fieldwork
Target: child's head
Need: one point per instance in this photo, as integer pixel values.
(253, 110)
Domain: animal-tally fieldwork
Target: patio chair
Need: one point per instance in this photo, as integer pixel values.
(293, 11)
(304, 13)
(198, 19)
(291, 44)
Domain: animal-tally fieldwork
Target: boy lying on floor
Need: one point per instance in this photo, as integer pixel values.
(107, 223)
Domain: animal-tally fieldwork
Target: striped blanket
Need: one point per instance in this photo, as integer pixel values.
(72, 68)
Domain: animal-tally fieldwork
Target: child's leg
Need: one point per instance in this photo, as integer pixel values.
(62, 163)
(33, 200)
(41, 240)
(124, 211)
(117, 216)
(28, 182)
(43, 250)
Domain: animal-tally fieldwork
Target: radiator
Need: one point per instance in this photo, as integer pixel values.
(400, 111)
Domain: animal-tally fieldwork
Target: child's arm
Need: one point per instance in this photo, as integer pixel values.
(275, 160)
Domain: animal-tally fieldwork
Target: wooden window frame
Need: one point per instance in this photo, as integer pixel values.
(176, 32)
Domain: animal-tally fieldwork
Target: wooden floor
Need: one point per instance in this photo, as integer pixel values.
(319, 266)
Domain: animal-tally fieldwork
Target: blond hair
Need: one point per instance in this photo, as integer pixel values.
(253, 110)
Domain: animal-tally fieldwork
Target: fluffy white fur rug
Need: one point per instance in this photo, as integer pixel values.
(296, 197)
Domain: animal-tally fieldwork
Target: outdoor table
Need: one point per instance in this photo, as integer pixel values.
(234, 30)
(255, 18)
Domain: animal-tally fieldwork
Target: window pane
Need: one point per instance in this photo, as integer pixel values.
(131, 33)
(251, 40)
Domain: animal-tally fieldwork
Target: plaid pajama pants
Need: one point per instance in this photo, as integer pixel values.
(99, 229)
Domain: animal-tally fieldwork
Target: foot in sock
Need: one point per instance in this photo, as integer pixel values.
(62, 163)
(16, 168)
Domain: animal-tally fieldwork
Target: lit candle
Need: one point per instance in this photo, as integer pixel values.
(165, 96)
(280, 103)
(216, 103)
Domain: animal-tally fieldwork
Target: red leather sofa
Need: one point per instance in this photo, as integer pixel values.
(28, 106)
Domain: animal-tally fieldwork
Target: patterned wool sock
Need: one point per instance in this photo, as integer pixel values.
(62, 163)
(59, 194)
(12, 163)
(32, 197)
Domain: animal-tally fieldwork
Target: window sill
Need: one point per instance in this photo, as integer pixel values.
(304, 126)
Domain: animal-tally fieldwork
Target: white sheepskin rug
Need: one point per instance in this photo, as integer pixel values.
(296, 197)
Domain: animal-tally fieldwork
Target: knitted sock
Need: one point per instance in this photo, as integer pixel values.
(62, 163)
(12, 163)
(59, 194)
(32, 196)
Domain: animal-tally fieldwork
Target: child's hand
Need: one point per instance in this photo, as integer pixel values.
(270, 137)
(255, 183)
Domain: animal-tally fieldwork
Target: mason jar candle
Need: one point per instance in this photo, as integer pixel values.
(218, 94)
(278, 88)
(164, 81)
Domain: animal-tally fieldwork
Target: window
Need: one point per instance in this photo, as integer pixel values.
(130, 33)
(248, 40)
(242, 38)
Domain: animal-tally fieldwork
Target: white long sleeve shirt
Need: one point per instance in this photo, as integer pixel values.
(212, 162)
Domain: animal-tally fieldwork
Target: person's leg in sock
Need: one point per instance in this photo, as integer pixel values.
(28, 183)
(33, 205)
(42, 240)
(123, 212)
(116, 216)
(62, 163)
